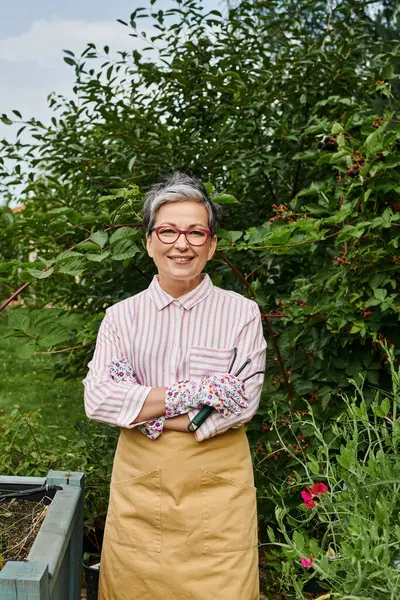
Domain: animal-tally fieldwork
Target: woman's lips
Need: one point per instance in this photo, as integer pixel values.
(182, 260)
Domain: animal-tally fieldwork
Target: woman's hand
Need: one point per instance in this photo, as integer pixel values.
(181, 397)
(224, 392)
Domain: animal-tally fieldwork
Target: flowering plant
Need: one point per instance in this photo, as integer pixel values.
(338, 514)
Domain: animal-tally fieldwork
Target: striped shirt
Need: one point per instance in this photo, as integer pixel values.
(170, 339)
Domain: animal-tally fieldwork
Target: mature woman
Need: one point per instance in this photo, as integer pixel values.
(181, 522)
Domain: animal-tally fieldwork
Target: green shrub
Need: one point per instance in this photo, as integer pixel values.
(28, 448)
(346, 529)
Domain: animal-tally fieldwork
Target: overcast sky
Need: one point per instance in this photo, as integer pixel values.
(33, 34)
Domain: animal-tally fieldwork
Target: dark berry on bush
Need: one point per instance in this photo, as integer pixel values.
(328, 144)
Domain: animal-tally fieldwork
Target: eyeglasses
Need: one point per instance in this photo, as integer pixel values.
(169, 235)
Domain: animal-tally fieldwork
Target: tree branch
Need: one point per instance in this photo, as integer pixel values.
(267, 322)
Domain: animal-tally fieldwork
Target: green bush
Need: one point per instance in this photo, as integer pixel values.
(290, 109)
(345, 532)
(28, 448)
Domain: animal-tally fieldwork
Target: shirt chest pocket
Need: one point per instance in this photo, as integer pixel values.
(204, 361)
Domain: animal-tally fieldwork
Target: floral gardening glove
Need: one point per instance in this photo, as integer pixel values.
(181, 397)
(153, 428)
(120, 369)
(224, 392)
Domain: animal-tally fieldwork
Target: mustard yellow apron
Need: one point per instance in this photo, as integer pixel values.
(182, 519)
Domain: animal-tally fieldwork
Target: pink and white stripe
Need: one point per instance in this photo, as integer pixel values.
(169, 340)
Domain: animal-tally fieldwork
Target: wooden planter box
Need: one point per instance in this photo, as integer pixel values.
(53, 568)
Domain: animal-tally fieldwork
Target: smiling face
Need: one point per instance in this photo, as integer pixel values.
(178, 277)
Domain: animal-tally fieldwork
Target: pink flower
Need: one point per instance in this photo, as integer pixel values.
(307, 563)
(308, 501)
(318, 489)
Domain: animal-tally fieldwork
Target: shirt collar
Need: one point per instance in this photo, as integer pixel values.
(161, 298)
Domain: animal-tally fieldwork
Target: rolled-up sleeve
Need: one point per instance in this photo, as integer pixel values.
(250, 343)
(116, 403)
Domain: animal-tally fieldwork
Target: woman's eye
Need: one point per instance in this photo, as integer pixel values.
(167, 231)
(197, 233)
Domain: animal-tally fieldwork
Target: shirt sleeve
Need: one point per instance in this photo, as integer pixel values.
(250, 343)
(116, 403)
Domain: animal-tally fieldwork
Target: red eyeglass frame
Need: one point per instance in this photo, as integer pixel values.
(180, 231)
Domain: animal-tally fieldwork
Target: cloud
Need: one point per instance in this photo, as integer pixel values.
(43, 42)
(32, 66)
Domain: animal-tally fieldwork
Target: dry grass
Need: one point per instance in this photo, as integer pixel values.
(20, 522)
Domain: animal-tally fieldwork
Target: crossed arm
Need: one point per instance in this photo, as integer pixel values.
(154, 407)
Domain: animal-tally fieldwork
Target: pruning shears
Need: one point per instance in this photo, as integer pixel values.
(206, 411)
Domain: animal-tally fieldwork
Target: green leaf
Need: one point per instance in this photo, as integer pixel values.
(210, 188)
(231, 236)
(40, 274)
(380, 294)
(313, 464)
(258, 235)
(225, 199)
(19, 319)
(26, 349)
(336, 129)
(271, 535)
(123, 250)
(100, 238)
(73, 264)
(298, 540)
(53, 335)
(382, 409)
(88, 246)
(373, 143)
(125, 233)
(4, 119)
(98, 257)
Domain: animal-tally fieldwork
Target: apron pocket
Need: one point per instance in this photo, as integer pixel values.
(134, 512)
(229, 514)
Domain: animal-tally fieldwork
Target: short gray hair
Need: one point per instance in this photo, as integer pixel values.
(176, 188)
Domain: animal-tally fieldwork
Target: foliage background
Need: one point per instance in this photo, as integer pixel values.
(290, 113)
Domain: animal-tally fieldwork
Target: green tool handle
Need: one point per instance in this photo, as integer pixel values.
(199, 419)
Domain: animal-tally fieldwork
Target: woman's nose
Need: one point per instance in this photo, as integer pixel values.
(181, 242)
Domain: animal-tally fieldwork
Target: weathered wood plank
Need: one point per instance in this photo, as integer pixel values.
(8, 588)
(31, 580)
(74, 478)
(25, 481)
(56, 530)
(75, 549)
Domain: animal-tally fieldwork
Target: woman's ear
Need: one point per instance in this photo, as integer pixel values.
(213, 247)
(149, 245)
